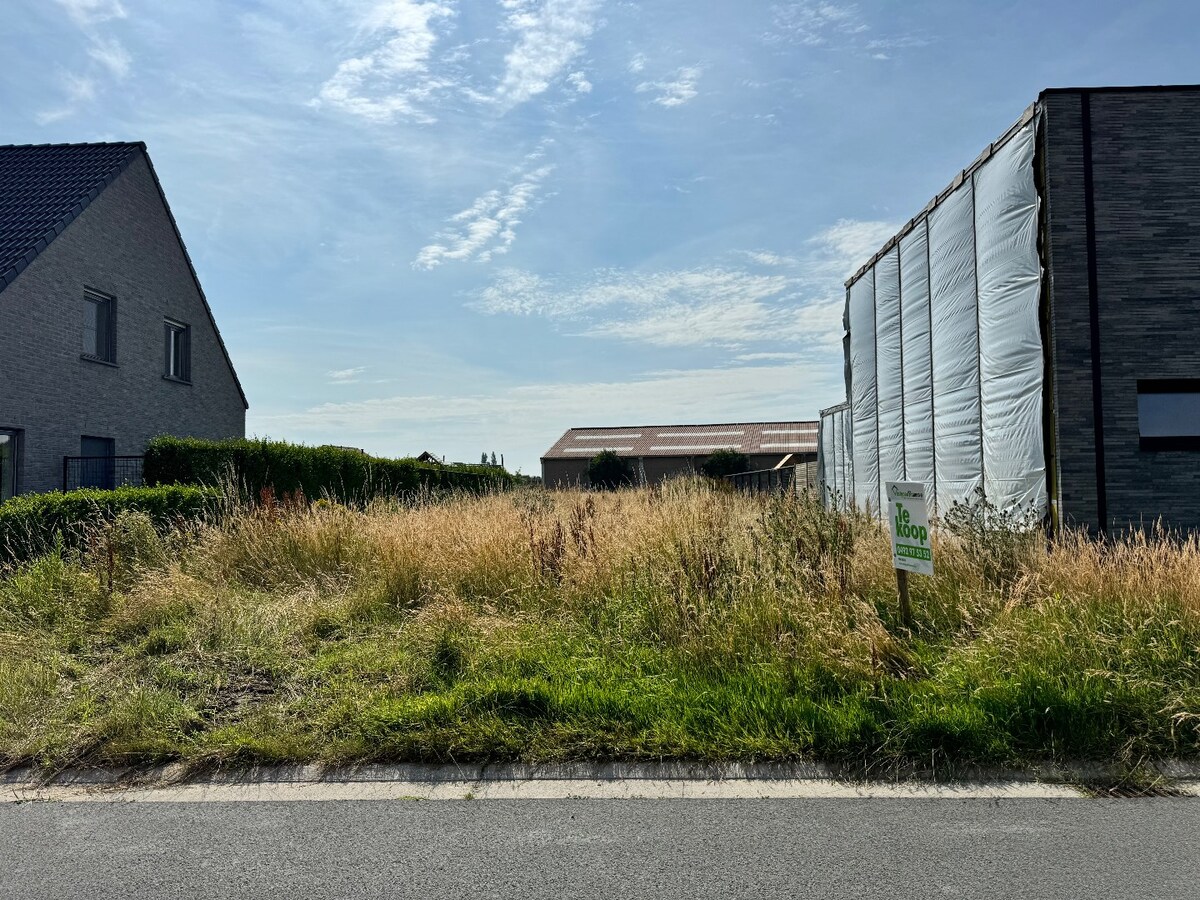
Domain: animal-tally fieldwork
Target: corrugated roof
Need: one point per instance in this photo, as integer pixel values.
(43, 187)
(752, 438)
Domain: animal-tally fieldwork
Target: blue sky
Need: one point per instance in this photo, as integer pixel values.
(466, 225)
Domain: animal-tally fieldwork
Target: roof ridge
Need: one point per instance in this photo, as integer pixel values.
(141, 144)
(698, 425)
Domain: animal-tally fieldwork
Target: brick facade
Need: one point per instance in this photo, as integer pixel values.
(1146, 254)
(124, 245)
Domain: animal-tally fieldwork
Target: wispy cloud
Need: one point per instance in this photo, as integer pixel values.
(549, 36)
(487, 228)
(637, 63)
(86, 13)
(676, 91)
(579, 82)
(109, 56)
(390, 77)
(793, 299)
(767, 258)
(345, 376)
(814, 23)
(834, 26)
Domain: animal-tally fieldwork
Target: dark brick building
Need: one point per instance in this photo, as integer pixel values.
(1034, 333)
(106, 338)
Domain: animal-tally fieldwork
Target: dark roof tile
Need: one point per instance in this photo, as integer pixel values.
(43, 187)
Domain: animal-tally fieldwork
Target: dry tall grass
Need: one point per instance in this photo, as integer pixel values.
(683, 620)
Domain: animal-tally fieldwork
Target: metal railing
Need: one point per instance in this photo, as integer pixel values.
(105, 472)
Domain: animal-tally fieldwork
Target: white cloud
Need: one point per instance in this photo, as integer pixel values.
(637, 63)
(798, 303)
(111, 55)
(579, 82)
(767, 258)
(677, 91)
(487, 227)
(391, 78)
(814, 23)
(345, 376)
(550, 35)
(532, 416)
(91, 12)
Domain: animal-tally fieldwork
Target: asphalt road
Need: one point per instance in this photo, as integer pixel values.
(603, 848)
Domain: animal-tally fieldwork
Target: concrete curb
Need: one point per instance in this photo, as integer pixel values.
(600, 780)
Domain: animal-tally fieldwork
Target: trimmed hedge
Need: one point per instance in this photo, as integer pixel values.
(31, 524)
(346, 475)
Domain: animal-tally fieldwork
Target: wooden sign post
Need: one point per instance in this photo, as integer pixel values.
(912, 548)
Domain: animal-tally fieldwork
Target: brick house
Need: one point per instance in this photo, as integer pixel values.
(106, 338)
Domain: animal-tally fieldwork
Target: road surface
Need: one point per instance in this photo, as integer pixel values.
(626, 848)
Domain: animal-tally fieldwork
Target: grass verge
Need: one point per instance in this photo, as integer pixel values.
(683, 621)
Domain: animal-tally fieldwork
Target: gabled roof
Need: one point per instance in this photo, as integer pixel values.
(45, 187)
(752, 438)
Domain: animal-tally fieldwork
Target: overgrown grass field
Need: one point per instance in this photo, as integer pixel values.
(683, 621)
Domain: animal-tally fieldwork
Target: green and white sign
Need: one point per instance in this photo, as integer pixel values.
(912, 547)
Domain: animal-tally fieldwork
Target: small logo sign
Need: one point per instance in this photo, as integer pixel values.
(908, 519)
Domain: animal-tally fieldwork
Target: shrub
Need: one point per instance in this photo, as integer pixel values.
(609, 471)
(33, 524)
(287, 469)
(725, 462)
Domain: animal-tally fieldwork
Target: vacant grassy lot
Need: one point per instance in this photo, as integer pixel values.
(680, 622)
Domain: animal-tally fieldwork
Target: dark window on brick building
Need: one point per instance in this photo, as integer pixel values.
(8, 464)
(178, 351)
(99, 326)
(1169, 413)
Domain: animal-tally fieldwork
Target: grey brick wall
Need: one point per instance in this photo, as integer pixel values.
(1146, 177)
(123, 244)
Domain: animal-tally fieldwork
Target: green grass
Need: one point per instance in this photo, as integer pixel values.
(685, 622)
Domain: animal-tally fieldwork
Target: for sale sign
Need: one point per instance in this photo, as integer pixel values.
(908, 516)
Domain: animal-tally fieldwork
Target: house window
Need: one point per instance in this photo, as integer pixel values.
(179, 351)
(97, 466)
(8, 465)
(99, 327)
(1169, 413)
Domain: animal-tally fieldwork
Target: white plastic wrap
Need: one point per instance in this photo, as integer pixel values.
(835, 456)
(864, 401)
(1010, 345)
(889, 386)
(957, 442)
(918, 368)
(827, 458)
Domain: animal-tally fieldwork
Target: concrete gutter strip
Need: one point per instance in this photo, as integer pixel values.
(683, 781)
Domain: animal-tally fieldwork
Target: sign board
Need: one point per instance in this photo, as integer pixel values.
(908, 518)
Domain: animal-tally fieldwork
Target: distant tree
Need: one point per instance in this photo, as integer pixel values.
(725, 462)
(483, 458)
(609, 471)
(494, 463)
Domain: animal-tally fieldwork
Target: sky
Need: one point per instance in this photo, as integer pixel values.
(465, 226)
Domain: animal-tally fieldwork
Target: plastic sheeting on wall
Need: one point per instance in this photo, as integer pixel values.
(864, 402)
(944, 352)
(918, 364)
(834, 452)
(888, 373)
(1010, 343)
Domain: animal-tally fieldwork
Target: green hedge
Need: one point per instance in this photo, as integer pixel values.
(31, 524)
(346, 475)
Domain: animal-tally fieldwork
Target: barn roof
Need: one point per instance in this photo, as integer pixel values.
(751, 438)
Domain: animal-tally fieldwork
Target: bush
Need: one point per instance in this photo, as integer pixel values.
(725, 462)
(348, 476)
(609, 471)
(33, 524)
